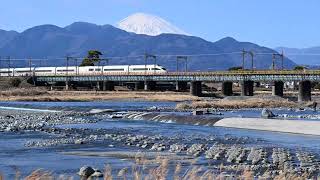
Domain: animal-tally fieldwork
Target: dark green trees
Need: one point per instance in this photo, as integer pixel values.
(92, 58)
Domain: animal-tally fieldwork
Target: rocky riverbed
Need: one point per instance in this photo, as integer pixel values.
(208, 146)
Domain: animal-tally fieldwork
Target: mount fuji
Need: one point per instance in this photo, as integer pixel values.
(141, 23)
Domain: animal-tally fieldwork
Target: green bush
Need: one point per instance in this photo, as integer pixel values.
(235, 68)
(299, 68)
(15, 82)
(317, 86)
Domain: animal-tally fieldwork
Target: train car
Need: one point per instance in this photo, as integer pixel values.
(122, 69)
(84, 70)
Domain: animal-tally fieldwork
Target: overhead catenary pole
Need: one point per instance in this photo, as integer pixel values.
(273, 61)
(177, 64)
(244, 53)
(282, 60)
(67, 65)
(9, 66)
(252, 65)
(185, 59)
(243, 56)
(147, 56)
(76, 65)
(155, 64)
(274, 55)
(30, 64)
(67, 79)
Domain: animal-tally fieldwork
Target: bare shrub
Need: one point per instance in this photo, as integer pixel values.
(237, 104)
(15, 82)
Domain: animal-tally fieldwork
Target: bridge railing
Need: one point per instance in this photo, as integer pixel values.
(211, 73)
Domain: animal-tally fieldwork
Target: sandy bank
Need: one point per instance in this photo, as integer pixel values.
(238, 103)
(278, 125)
(33, 95)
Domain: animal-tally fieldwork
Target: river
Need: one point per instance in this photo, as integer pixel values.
(14, 155)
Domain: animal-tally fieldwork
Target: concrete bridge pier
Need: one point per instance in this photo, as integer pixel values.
(195, 88)
(138, 85)
(277, 88)
(98, 87)
(67, 86)
(150, 85)
(247, 88)
(107, 85)
(181, 85)
(304, 91)
(227, 88)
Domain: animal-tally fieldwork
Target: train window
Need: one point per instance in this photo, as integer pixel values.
(164, 69)
(91, 69)
(65, 70)
(98, 69)
(113, 70)
(23, 71)
(155, 69)
(43, 70)
(5, 71)
(140, 69)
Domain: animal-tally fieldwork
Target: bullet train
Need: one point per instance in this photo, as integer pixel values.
(82, 70)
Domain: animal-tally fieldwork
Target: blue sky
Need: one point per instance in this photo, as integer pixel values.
(272, 23)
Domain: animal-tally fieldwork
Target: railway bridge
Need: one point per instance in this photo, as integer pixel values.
(181, 79)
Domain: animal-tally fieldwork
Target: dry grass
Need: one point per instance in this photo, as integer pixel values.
(164, 171)
(42, 95)
(23, 92)
(237, 104)
(39, 175)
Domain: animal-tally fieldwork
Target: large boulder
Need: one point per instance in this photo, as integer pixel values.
(86, 171)
(266, 113)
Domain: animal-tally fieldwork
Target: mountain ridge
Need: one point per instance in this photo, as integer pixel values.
(304, 56)
(50, 41)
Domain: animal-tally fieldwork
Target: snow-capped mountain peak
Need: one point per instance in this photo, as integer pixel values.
(141, 23)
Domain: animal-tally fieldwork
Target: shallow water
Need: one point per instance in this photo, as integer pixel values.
(13, 154)
(87, 106)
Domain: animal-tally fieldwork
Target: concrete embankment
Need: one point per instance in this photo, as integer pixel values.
(277, 125)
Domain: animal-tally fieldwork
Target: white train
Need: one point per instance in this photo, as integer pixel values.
(84, 70)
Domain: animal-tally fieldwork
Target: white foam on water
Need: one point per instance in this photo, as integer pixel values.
(96, 111)
(26, 109)
(277, 125)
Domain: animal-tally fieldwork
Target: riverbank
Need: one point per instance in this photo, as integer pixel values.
(239, 103)
(56, 96)
(185, 100)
